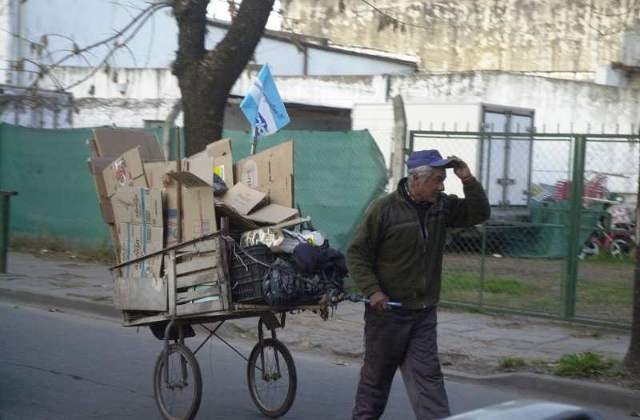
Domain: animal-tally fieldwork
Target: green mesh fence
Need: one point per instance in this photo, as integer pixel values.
(336, 175)
(557, 243)
(56, 195)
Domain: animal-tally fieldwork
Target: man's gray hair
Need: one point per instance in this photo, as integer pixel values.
(419, 173)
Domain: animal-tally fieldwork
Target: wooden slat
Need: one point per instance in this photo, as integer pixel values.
(199, 247)
(198, 293)
(197, 263)
(145, 320)
(141, 294)
(171, 281)
(208, 276)
(200, 307)
(224, 265)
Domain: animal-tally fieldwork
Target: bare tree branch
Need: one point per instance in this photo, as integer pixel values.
(43, 70)
(112, 51)
(142, 15)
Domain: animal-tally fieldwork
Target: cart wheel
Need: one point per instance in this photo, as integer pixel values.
(271, 375)
(178, 396)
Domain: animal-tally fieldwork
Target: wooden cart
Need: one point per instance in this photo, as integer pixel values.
(196, 290)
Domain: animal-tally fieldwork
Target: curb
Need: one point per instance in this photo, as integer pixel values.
(605, 395)
(48, 301)
(580, 390)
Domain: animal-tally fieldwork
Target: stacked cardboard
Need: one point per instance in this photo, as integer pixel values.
(150, 203)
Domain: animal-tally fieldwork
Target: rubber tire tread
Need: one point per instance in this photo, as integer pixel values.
(197, 378)
(291, 368)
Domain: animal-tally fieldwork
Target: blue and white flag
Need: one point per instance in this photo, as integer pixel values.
(263, 107)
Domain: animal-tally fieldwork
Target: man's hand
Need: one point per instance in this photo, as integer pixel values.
(460, 168)
(378, 301)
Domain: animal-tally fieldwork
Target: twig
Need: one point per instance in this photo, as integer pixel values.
(137, 22)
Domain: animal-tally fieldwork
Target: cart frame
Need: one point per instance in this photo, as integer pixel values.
(201, 267)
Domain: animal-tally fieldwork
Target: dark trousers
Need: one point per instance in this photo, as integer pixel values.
(406, 339)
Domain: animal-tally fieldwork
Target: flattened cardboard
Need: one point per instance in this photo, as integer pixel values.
(216, 159)
(220, 151)
(243, 198)
(235, 218)
(96, 166)
(113, 142)
(157, 174)
(136, 241)
(134, 294)
(270, 171)
(125, 171)
(201, 165)
(189, 180)
(142, 206)
(272, 213)
(198, 210)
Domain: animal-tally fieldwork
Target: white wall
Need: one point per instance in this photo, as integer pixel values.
(449, 102)
(560, 105)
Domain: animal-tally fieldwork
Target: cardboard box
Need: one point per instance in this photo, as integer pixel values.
(243, 198)
(270, 171)
(273, 213)
(200, 165)
(96, 166)
(125, 171)
(220, 151)
(198, 209)
(216, 159)
(142, 206)
(113, 142)
(137, 240)
(157, 174)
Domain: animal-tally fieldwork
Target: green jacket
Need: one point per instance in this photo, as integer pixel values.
(390, 253)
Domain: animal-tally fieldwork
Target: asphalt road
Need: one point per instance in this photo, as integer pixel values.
(56, 365)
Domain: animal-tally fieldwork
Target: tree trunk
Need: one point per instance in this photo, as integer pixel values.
(632, 359)
(206, 77)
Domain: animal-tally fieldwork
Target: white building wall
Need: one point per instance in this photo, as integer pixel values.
(433, 102)
(560, 105)
(5, 41)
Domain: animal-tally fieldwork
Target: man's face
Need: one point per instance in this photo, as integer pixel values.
(428, 189)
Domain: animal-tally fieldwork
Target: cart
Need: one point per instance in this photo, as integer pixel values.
(196, 290)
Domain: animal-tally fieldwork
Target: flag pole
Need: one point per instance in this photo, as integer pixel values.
(254, 143)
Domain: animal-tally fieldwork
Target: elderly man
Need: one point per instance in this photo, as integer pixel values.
(396, 255)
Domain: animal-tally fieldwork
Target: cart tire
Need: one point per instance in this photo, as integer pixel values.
(282, 385)
(185, 384)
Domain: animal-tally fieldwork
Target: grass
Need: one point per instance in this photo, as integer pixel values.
(497, 285)
(585, 365)
(605, 259)
(604, 289)
(512, 363)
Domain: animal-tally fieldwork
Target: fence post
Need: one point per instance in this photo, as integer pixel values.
(4, 228)
(399, 143)
(485, 225)
(575, 213)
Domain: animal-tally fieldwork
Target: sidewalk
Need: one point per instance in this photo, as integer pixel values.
(471, 344)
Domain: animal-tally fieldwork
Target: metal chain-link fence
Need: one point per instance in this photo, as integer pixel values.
(560, 238)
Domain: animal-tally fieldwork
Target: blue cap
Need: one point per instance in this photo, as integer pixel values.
(429, 157)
